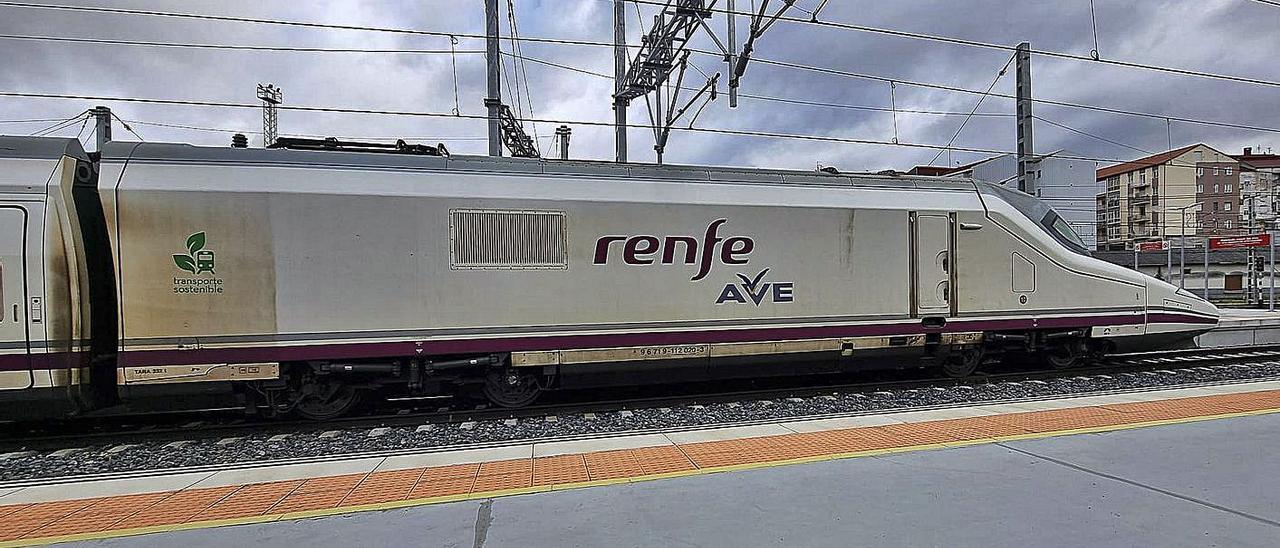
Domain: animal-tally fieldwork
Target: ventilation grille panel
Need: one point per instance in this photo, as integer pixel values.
(507, 240)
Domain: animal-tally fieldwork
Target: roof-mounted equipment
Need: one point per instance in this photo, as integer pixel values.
(333, 144)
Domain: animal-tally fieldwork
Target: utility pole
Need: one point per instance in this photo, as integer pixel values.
(562, 135)
(662, 58)
(732, 57)
(1206, 268)
(619, 78)
(270, 96)
(1182, 252)
(1025, 148)
(1254, 274)
(493, 101)
(102, 125)
(504, 128)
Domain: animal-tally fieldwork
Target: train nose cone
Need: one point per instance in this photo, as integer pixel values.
(1207, 308)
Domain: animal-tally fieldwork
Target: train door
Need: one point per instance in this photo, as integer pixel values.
(933, 265)
(15, 342)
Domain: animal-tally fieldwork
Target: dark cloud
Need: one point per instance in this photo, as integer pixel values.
(1224, 36)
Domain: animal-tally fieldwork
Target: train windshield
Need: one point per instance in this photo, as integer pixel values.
(1039, 212)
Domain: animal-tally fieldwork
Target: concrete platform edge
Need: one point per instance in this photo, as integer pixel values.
(581, 485)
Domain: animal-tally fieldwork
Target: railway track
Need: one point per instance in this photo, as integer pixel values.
(232, 424)
(1203, 369)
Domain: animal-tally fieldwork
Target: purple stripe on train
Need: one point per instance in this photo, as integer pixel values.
(566, 342)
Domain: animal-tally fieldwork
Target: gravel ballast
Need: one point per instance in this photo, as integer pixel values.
(126, 456)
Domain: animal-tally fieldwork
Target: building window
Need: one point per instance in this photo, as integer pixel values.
(1130, 178)
(1215, 188)
(1215, 206)
(1228, 170)
(1226, 187)
(1226, 206)
(1199, 171)
(1226, 224)
(1215, 171)
(1199, 156)
(1142, 177)
(1200, 188)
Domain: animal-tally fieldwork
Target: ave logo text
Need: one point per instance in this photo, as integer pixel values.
(756, 291)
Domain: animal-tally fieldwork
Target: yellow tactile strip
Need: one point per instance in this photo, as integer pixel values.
(261, 502)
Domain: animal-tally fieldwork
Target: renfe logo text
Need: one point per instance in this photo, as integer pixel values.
(645, 250)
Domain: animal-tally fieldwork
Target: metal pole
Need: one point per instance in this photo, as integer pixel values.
(1168, 266)
(1254, 281)
(1135, 256)
(619, 74)
(1206, 268)
(1271, 273)
(733, 54)
(102, 125)
(493, 60)
(270, 95)
(563, 133)
(660, 144)
(1025, 146)
(1182, 251)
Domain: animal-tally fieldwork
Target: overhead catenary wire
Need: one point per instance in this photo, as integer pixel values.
(1067, 104)
(1093, 21)
(589, 123)
(805, 102)
(1090, 135)
(33, 120)
(232, 47)
(127, 127)
(758, 60)
(812, 21)
(61, 124)
(315, 135)
(976, 106)
(993, 46)
(522, 72)
(453, 61)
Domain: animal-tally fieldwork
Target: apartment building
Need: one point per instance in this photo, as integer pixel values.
(1160, 197)
(1063, 181)
(1259, 188)
(1218, 192)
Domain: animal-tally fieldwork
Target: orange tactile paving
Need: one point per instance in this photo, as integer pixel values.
(262, 501)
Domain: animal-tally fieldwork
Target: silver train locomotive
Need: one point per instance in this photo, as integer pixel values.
(160, 276)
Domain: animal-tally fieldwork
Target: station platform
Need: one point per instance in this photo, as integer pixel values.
(1243, 327)
(1190, 466)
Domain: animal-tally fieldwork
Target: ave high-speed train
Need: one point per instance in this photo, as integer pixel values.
(304, 278)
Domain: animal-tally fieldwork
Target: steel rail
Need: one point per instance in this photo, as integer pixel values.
(143, 430)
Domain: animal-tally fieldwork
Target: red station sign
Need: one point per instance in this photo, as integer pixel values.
(1239, 242)
(1153, 246)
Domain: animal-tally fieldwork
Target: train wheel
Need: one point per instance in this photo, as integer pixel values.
(1063, 357)
(322, 400)
(963, 363)
(510, 388)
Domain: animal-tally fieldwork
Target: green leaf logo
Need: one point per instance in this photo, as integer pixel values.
(195, 242)
(186, 263)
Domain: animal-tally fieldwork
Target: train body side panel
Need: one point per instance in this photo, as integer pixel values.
(299, 262)
(45, 318)
(1012, 268)
(306, 257)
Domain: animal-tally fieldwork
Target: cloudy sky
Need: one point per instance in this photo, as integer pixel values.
(1236, 37)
